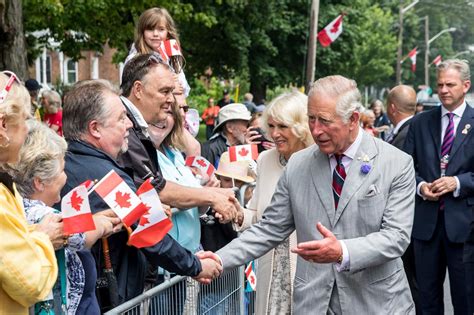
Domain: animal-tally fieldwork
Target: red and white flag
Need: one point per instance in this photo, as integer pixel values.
(437, 60)
(331, 32)
(246, 152)
(251, 277)
(76, 211)
(120, 198)
(172, 48)
(412, 56)
(201, 163)
(154, 224)
(162, 52)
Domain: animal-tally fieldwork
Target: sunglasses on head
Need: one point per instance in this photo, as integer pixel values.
(4, 92)
(185, 108)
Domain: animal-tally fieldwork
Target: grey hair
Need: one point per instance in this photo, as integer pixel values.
(53, 97)
(84, 103)
(462, 66)
(341, 88)
(291, 110)
(40, 157)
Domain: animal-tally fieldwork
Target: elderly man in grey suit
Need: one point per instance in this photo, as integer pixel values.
(351, 201)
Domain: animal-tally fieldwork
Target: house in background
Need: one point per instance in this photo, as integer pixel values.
(53, 67)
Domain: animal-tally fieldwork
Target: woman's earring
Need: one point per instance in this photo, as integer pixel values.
(4, 141)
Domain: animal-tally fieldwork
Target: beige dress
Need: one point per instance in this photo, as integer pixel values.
(276, 269)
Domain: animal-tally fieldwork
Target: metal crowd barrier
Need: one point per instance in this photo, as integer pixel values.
(184, 296)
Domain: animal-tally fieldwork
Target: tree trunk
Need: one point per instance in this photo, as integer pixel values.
(12, 38)
(259, 91)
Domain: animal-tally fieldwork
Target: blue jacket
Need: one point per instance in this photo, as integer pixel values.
(129, 263)
(423, 143)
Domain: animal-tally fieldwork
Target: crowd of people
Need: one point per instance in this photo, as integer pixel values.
(347, 210)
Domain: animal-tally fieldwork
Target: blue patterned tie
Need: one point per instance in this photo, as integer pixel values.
(446, 147)
(338, 177)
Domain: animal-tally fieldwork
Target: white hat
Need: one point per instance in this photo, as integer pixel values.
(234, 111)
(237, 170)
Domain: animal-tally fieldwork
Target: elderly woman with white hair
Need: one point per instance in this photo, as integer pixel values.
(286, 123)
(40, 176)
(28, 267)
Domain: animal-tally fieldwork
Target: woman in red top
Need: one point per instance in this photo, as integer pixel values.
(53, 112)
(209, 116)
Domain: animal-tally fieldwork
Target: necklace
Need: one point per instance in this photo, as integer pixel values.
(283, 161)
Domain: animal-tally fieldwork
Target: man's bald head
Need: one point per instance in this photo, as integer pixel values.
(403, 97)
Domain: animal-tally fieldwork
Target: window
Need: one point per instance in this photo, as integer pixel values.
(71, 71)
(48, 70)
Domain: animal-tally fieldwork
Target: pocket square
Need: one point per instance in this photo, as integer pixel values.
(372, 191)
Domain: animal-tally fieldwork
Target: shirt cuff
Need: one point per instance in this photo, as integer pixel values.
(457, 191)
(418, 190)
(345, 264)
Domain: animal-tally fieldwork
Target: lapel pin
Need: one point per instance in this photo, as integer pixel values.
(466, 129)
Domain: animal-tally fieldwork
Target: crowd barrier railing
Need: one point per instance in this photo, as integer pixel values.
(184, 296)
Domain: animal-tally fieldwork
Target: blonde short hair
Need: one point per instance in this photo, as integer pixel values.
(291, 110)
(17, 103)
(40, 157)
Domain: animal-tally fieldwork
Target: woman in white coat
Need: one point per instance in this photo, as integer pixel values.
(285, 122)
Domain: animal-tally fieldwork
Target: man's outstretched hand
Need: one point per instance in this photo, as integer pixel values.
(211, 267)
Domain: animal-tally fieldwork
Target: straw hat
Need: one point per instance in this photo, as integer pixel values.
(235, 111)
(238, 170)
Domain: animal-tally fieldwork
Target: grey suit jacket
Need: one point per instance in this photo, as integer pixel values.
(374, 219)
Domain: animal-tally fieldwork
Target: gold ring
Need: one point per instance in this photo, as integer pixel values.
(65, 241)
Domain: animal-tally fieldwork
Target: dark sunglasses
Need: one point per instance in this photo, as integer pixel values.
(185, 108)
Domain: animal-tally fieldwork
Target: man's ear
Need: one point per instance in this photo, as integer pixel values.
(137, 89)
(94, 129)
(354, 120)
(3, 126)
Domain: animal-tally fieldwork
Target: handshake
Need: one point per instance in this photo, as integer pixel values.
(211, 267)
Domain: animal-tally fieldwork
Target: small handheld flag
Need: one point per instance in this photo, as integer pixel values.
(76, 211)
(246, 152)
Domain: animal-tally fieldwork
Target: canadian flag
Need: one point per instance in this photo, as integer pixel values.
(76, 211)
(162, 52)
(331, 32)
(120, 197)
(246, 152)
(201, 163)
(437, 60)
(412, 56)
(154, 224)
(251, 277)
(172, 48)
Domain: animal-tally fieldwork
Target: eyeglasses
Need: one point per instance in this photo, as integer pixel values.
(185, 108)
(4, 92)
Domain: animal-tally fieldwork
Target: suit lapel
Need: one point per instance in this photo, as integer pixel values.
(435, 130)
(355, 177)
(467, 118)
(322, 180)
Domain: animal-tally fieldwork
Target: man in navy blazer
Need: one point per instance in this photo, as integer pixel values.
(441, 142)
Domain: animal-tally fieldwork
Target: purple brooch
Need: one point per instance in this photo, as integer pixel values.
(366, 167)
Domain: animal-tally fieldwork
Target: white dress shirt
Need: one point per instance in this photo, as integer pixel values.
(458, 112)
(348, 157)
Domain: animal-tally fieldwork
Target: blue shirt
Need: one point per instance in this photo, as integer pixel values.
(186, 227)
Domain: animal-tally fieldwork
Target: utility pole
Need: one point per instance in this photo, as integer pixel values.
(427, 50)
(400, 38)
(311, 60)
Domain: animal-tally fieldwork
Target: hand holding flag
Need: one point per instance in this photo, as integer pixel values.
(120, 198)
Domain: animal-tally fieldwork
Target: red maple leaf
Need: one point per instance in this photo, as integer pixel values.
(122, 199)
(201, 163)
(76, 201)
(175, 46)
(335, 27)
(144, 219)
(243, 152)
(252, 279)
